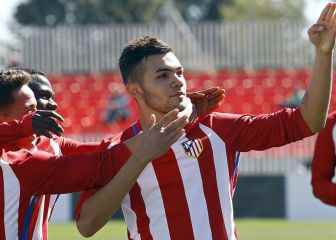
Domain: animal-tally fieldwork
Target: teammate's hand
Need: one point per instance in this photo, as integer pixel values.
(322, 33)
(46, 123)
(207, 100)
(156, 140)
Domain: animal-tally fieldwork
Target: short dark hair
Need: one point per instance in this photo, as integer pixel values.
(136, 51)
(10, 81)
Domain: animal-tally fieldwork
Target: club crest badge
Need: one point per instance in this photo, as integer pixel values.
(193, 148)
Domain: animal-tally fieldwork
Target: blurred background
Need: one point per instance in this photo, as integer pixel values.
(257, 50)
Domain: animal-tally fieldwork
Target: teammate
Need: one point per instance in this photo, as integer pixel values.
(324, 162)
(29, 173)
(187, 193)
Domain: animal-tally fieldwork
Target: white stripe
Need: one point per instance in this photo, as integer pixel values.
(38, 233)
(223, 179)
(151, 194)
(193, 188)
(130, 218)
(54, 145)
(11, 201)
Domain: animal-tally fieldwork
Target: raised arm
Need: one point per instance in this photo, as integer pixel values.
(315, 105)
(39, 122)
(323, 165)
(14, 130)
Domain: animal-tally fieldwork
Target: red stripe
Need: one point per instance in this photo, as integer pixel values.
(231, 157)
(33, 221)
(138, 206)
(2, 205)
(173, 196)
(210, 188)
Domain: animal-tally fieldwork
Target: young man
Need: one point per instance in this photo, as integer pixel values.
(36, 168)
(324, 162)
(187, 193)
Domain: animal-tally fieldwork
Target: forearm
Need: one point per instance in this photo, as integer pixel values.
(14, 130)
(99, 208)
(316, 101)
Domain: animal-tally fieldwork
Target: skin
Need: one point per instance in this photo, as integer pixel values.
(162, 87)
(44, 93)
(23, 102)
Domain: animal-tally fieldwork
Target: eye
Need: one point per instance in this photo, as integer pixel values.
(163, 75)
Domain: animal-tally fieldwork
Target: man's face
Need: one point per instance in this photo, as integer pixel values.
(24, 102)
(163, 86)
(44, 93)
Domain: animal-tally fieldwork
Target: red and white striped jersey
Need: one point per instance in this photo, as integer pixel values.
(187, 193)
(29, 177)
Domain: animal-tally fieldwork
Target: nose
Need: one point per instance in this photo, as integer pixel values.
(177, 81)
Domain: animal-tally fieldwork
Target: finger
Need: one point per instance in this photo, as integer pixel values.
(195, 95)
(173, 137)
(318, 27)
(46, 134)
(216, 95)
(324, 13)
(179, 123)
(46, 113)
(216, 99)
(50, 124)
(333, 19)
(331, 12)
(209, 90)
(168, 118)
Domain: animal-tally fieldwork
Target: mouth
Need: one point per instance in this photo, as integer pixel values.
(179, 94)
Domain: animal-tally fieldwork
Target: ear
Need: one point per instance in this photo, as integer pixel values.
(135, 90)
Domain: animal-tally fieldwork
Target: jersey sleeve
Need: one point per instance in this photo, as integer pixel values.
(323, 165)
(260, 132)
(69, 146)
(14, 130)
(43, 173)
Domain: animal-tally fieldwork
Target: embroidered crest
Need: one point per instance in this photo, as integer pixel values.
(193, 148)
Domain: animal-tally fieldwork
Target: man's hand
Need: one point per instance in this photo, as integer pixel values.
(46, 122)
(156, 141)
(207, 100)
(322, 34)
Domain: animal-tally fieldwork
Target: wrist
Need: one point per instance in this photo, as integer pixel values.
(323, 53)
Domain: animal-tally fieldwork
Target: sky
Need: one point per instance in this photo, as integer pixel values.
(7, 8)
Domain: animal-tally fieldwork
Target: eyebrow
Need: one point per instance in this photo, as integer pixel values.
(165, 69)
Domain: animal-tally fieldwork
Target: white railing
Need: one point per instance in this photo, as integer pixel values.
(205, 47)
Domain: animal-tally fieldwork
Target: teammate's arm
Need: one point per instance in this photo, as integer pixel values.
(323, 166)
(98, 209)
(315, 105)
(39, 122)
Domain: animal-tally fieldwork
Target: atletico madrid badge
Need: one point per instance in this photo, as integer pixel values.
(193, 147)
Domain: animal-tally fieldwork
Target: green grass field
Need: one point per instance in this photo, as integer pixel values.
(249, 229)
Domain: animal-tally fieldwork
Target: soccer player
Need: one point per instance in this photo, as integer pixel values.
(38, 168)
(324, 162)
(187, 193)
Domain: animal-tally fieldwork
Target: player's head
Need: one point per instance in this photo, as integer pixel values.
(43, 90)
(16, 98)
(153, 75)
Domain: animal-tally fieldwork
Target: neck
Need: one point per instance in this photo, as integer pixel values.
(146, 119)
(146, 113)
